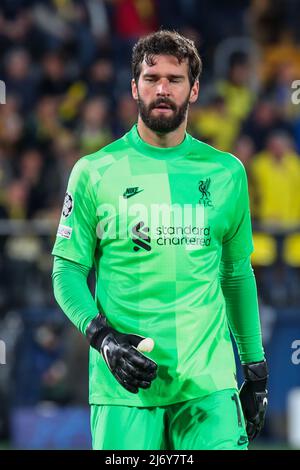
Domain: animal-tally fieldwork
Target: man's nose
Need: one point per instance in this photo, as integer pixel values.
(162, 88)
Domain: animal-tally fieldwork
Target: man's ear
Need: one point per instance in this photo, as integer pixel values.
(134, 90)
(194, 92)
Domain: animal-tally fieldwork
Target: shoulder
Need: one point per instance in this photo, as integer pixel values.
(229, 162)
(97, 162)
(110, 152)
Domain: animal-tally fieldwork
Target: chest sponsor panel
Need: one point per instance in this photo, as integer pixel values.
(167, 212)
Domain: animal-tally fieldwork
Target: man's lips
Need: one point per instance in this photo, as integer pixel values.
(163, 107)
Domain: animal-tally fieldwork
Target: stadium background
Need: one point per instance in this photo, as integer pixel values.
(66, 68)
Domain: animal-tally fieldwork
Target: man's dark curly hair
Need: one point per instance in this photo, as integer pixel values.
(167, 43)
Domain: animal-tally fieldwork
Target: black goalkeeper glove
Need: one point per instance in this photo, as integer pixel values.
(253, 396)
(132, 369)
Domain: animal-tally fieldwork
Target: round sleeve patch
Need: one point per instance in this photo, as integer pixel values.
(68, 205)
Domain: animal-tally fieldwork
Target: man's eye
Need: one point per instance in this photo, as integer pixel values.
(148, 79)
(174, 80)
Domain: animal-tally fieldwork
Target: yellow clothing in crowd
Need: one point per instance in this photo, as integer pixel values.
(276, 184)
(239, 100)
(220, 129)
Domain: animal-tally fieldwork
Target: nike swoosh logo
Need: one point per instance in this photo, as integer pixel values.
(242, 440)
(105, 349)
(127, 196)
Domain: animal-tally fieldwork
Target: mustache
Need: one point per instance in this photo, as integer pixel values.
(162, 101)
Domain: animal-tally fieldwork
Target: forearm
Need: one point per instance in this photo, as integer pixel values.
(72, 292)
(121, 352)
(240, 292)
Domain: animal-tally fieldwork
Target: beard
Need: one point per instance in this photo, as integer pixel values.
(163, 124)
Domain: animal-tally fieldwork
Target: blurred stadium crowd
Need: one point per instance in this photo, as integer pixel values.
(66, 68)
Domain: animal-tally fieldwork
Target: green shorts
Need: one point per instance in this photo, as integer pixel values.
(212, 422)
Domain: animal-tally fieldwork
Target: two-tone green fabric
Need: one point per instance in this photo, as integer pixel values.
(158, 276)
(213, 422)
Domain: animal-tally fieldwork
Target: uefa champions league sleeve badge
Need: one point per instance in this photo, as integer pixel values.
(68, 205)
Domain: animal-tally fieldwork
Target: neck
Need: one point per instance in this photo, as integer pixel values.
(169, 139)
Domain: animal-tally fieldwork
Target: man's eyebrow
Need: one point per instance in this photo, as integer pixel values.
(155, 75)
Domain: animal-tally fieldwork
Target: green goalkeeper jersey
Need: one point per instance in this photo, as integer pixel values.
(156, 223)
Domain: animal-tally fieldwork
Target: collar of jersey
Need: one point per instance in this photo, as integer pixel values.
(158, 152)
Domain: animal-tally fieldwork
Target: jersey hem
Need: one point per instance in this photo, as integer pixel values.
(98, 400)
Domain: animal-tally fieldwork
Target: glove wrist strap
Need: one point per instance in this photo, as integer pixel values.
(255, 371)
(97, 330)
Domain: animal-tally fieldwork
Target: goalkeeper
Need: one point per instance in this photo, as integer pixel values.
(178, 280)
